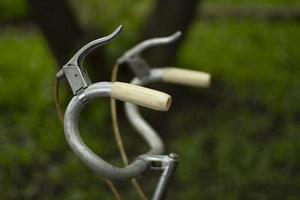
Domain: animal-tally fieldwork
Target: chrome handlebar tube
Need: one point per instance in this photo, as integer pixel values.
(84, 91)
(101, 89)
(145, 75)
(139, 123)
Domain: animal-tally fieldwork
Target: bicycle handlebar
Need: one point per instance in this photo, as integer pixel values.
(140, 124)
(139, 48)
(180, 76)
(116, 90)
(84, 90)
(144, 75)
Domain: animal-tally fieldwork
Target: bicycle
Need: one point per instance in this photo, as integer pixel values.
(83, 91)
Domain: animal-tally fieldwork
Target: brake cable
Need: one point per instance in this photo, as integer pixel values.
(83, 91)
(118, 137)
(114, 117)
(143, 75)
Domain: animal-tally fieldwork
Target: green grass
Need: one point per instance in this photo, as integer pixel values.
(248, 140)
(255, 2)
(36, 161)
(10, 9)
(239, 139)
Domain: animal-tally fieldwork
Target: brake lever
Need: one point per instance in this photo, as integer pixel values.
(132, 57)
(74, 71)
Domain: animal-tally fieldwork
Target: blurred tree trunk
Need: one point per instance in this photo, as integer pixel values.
(168, 17)
(58, 24)
(64, 35)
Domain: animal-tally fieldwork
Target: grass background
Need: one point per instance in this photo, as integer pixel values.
(241, 141)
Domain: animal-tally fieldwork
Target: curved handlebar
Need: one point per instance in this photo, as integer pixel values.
(83, 91)
(140, 124)
(105, 89)
(183, 76)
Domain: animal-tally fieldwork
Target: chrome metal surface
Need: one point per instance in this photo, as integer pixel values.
(77, 77)
(166, 163)
(137, 64)
(139, 123)
(136, 50)
(101, 89)
(85, 50)
(145, 75)
(139, 67)
(83, 91)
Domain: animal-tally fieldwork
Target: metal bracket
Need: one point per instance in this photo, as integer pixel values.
(132, 57)
(166, 163)
(76, 75)
(77, 78)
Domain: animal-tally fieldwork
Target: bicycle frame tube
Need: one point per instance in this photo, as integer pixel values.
(139, 123)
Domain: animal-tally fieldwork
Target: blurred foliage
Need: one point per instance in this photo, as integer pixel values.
(254, 2)
(108, 15)
(238, 140)
(10, 9)
(248, 143)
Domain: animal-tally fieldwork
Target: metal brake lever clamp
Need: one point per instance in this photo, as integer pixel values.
(138, 65)
(73, 70)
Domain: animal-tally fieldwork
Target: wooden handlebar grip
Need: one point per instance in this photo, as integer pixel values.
(141, 96)
(185, 77)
